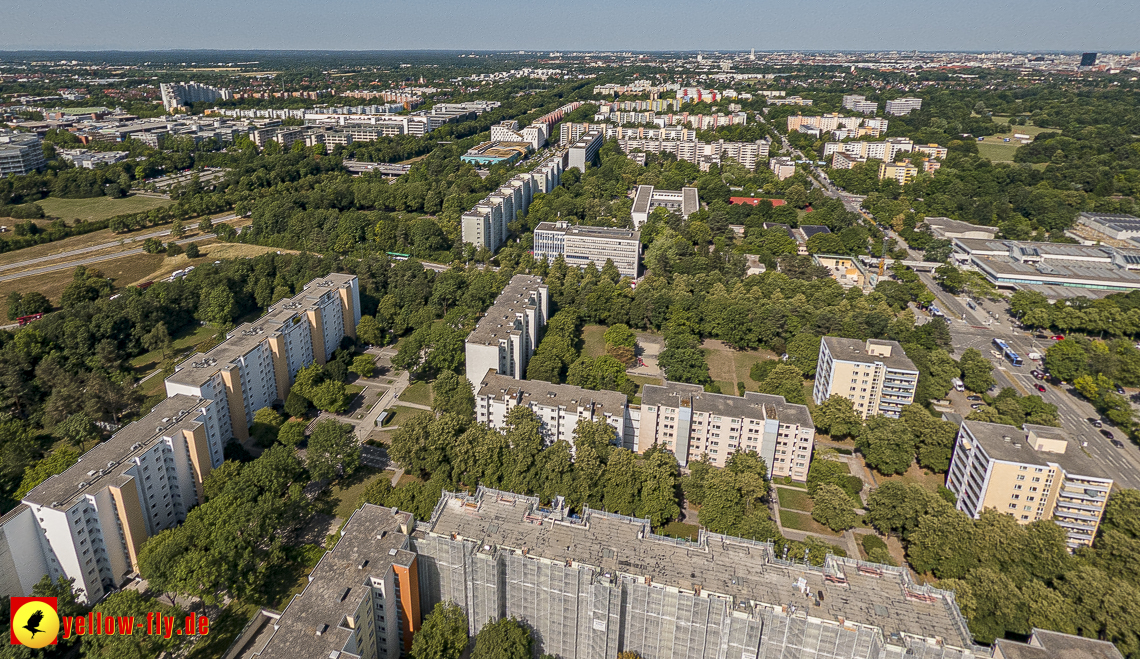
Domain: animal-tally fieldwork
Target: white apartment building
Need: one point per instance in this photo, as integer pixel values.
(885, 150)
(89, 522)
(647, 198)
(697, 152)
(508, 131)
(691, 423)
(585, 150)
(486, 225)
(176, 95)
(826, 122)
(932, 151)
(581, 245)
(1033, 473)
(20, 153)
(258, 362)
(858, 103)
(903, 106)
(875, 375)
(558, 406)
(844, 160)
(506, 336)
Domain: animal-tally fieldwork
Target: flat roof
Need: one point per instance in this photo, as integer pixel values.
(539, 392)
(991, 437)
(738, 568)
(167, 418)
(854, 350)
(499, 321)
(1059, 270)
(948, 225)
(603, 233)
(753, 405)
(1055, 645)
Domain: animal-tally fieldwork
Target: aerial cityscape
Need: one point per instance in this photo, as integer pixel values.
(321, 349)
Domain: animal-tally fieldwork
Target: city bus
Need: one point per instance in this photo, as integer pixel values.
(1007, 352)
(396, 256)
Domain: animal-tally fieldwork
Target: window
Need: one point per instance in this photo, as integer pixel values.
(1036, 479)
(1020, 477)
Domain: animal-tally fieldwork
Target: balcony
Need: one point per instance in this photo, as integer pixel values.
(1070, 514)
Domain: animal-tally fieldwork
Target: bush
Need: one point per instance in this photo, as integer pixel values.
(23, 212)
(173, 249)
(192, 251)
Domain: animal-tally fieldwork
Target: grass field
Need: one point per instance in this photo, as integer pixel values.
(192, 338)
(916, 475)
(418, 393)
(730, 366)
(98, 208)
(400, 413)
(803, 522)
(680, 530)
(593, 340)
(124, 271)
(641, 381)
(794, 499)
(344, 496)
(996, 149)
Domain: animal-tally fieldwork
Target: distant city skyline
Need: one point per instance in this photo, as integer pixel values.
(726, 25)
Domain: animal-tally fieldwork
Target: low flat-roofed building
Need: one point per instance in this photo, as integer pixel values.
(783, 167)
(686, 202)
(581, 245)
(506, 336)
(875, 375)
(944, 227)
(1032, 473)
(847, 270)
(496, 153)
(1044, 644)
(1111, 228)
(558, 406)
(1019, 264)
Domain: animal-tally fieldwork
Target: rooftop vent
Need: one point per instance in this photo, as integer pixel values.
(322, 629)
(362, 565)
(392, 551)
(1006, 438)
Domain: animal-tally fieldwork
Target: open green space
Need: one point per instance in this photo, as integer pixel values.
(418, 393)
(344, 496)
(594, 340)
(400, 413)
(795, 499)
(803, 522)
(199, 337)
(98, 208)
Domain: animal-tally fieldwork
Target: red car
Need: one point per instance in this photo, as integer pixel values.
(1041, 387)
(1059, 337)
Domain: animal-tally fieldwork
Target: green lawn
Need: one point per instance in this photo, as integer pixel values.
(351, 390)
(794, 499)
(98, 208)
(594, 340)
(418, 393)
(400, 413)
(803, 522)
(200, 337)
(680, 530)
(345, 495)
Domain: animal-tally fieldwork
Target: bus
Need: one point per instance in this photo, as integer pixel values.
(396, 256)
(1007, 352)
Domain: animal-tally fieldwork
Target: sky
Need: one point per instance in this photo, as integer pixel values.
(974, 25)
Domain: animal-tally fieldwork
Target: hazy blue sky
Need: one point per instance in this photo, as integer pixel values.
(579, 24)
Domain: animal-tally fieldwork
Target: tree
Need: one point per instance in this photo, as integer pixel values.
(1066, 359)
(153, 246)
(217, 306)
(976, 371)
(173, 249)
(363, 365)
(78, 429)
(659, 477)
(266, 424)
(370, 331)
(887, 445)
(452, 393)
(192, 251)
(786, 381)
(158, 339)
(176, 229)
(825, 243)
(803, 352)
(333, 451)
(206, 225)
(506, 638)
(832, 508)
(296, 405)
(129, 646)
(621, 343)
(444, 631)
(836, 417)
(292, 433)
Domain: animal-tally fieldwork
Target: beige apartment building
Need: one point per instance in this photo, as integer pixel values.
(876, 375)
(690, 422)
(903, 172)
(1033, 473)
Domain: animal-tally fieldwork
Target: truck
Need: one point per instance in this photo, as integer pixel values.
(958, 385)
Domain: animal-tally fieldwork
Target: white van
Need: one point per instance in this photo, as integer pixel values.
(958, 385)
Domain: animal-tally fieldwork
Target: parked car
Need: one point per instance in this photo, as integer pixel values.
(1058, 337)
(1107, 433)
(1119, 389)
(1096, 423)
(1117, 443)
(973, 397)
(976, 406)
(1041, 388)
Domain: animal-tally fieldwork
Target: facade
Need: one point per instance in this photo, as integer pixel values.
(558, 406)
(701, 153)
(584, 151)
(89, 522)
(362, 600)
(848, 271)
(647, 198)
(903, 172)
(178, 95)
(594, 585)
(844, 160)
(875, 376)
(857, 103)
(486, 225)
(258, 362)
(581, 245)
(691, 423)
(790, 100)
(508, 131)
(944, 227)
(1033, 473)
(20, 153)
(506, 336)
(885, 150)
(1054, 269)
(903, 106)
(783, 167)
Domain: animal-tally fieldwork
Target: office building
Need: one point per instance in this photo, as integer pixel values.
(585, 150)
(89, 522)
(858, 103)
(690, 422)
(903, 172)
(686, 202)
(1033, 473)
(902, 106)
(180, 95)
(581, 245)
(875, 375)
(944, 227)
(258, 362)
(486, 225)
(558, 406)
(20, 153)
(783, 167)
(506, 336)
(596, 584)
(362, 600)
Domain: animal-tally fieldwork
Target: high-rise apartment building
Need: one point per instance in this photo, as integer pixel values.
(581, 245)
(486, 225)
(89, 522)
(903, 172)
(690, 422)
(558, 406)
(874, 375)
(506, 336)
(20, 153)
(885, 150)
(858, 103)
(258, 362)
(178, 95)
(903, 106)
(1033, 473)
(585, 150)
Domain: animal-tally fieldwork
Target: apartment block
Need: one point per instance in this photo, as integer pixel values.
(1033, 473)
(486, 225)
(885, 150)
(848, 271)
(647, 198)
(508, 131)
(258, 362)
(596, 584)
(826, 122)
(581, 245)
(875, 375)
(690, 422)
(585, 150)
(699, 152)
(903, 106)
(506, 336)
(844, 160)
(558, 406)
(903, 172)
(932, 151)
(857, 103)
(20, 153)
(790, 100)
(783, 167)
(362, 600)
(177, 95)
(89, 522)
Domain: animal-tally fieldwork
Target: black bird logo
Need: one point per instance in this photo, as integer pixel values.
(34, 620)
